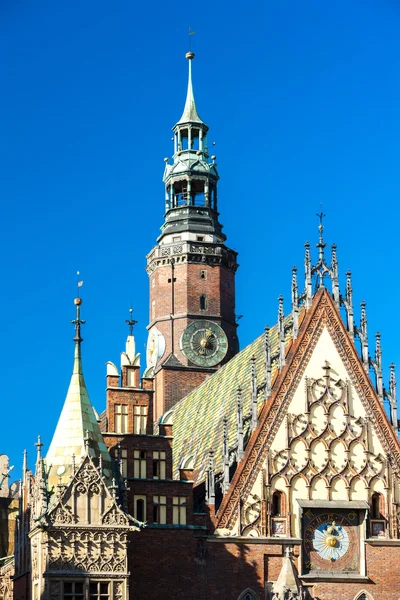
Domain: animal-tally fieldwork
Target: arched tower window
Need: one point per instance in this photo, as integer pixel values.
(376, 506)
(277, 504)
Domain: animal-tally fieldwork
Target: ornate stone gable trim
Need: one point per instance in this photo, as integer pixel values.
(115, 517)
(323, 312)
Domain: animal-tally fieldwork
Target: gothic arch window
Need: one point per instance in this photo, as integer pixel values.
(248, 594)
(278, 504)
(363, 596)
(376, 505)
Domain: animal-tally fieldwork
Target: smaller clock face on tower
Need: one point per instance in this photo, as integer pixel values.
(204, 343)
(331, 541)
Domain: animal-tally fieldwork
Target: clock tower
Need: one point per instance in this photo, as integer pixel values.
(192, 328)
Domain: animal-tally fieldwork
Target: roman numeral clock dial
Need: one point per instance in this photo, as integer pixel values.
(204, 343)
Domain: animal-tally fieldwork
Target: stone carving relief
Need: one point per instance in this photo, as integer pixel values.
(88, 551)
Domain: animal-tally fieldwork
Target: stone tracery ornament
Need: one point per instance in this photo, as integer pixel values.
(322, 314)
(251, 516)
(327, 393)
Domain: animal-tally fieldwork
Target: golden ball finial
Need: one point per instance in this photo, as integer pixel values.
(190, 55)
(166, 159)
(78, 301)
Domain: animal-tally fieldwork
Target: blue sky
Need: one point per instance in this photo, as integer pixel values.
(302, 101)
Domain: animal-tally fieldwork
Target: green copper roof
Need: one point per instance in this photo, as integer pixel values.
(198, 418)
(77, 421)
(190, 114)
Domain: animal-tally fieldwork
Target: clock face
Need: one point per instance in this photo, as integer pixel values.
(204, 343)
(331, 541)
(155, 347)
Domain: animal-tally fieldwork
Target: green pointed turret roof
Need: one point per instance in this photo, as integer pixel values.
(190, 114)
(77, 432)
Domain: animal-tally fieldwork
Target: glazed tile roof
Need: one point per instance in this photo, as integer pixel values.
(198, 418)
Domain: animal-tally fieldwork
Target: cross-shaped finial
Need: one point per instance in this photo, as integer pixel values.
(321, 216)
(131, 322)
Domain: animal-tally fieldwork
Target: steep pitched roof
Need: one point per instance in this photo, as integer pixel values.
(198, 418)
(77, 420)
(323, 313)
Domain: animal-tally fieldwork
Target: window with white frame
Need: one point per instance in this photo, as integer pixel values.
(179, 504)
(159, 465)
(160, 510)
(120, 418)
(139, 419)
(139, 464)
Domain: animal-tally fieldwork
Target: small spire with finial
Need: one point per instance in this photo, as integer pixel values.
(335, 276)
(130, 322)
(308, 274)
(378, 366)
(254, 412)
(225, 452)
(321, 245)
(39, 447)
(240, 446)
(393, 399)
(295, 304)
(268, 361)
(87, 441)
(363, 334)
(348, 303)
(281, 326)
(210, 496)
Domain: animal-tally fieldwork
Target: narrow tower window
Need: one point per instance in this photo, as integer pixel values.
(203, 274)
(375, 506)
(203, 302)
(277, 504)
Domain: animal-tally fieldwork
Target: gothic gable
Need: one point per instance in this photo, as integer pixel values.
(323, 435)
(86, 500)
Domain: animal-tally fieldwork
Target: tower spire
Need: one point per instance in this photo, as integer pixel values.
(76, 419)
(190, 114)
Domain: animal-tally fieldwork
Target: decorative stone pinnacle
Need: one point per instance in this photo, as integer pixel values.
(39, 447)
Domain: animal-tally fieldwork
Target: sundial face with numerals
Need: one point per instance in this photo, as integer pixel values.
(330, 540)
(204, 343)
